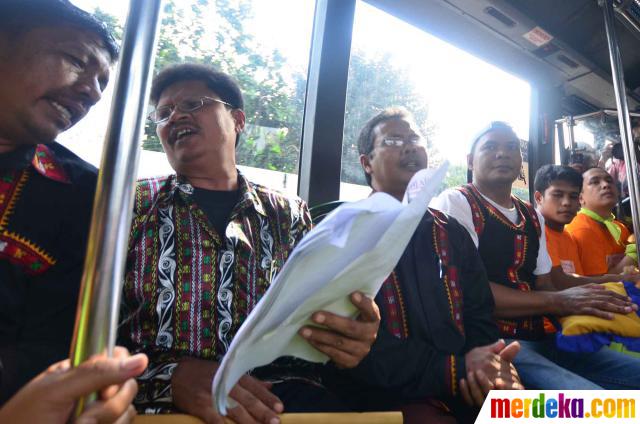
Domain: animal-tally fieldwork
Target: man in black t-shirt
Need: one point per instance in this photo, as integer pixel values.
(205, 245)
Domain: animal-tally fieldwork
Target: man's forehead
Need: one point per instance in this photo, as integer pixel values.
(595, 172)
(499, 135)
(68, 35)
(564, 186)
(395, 125)
(185, 88)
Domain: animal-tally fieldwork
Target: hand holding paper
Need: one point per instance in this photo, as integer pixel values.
(345, 341)
(353, 249)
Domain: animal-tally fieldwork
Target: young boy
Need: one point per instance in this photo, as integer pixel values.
(557, 195)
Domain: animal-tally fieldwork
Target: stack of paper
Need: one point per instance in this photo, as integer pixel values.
(354, 248)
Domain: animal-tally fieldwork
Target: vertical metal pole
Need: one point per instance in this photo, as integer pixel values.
(99, 300)
(562, 149)
(572, 135)
(623, 113)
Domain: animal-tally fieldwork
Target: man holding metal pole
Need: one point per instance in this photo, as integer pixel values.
(55, 61)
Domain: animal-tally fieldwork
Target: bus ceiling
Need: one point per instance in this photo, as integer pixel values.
(549, 43)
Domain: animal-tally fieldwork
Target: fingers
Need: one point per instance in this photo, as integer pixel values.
(98, 373)
(329, 341)
(465, 392)
(369, 311)
(260, 389)
(609, 306)
(596, 313)
(474, 388)
(60, 366)
(340, 357)
(498, 346)
(485, 384)
(113, 409)
(346, 327)
(250, 409)
(509, 353)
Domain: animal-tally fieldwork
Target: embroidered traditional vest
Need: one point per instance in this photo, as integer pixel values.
(509, 252)
(447, 330)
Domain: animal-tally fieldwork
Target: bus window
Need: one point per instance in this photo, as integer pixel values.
(396, 64)
(241, 38)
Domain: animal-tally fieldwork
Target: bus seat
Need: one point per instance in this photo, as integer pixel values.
(318, 212)
(307, 418)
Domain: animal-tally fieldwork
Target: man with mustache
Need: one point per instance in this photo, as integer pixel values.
(205, 245)
(437, 343)
(54, 66)
(601, 239)
(510, 237)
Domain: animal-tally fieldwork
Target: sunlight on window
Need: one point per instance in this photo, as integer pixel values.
(452, 94)
(238, 37)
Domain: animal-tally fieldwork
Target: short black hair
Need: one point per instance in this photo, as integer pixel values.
(493, 126)
(550, 173)
(365, 139)
(20, 16)
(219, 82)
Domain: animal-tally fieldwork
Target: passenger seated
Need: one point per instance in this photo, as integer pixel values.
(205, 244)
(54, 66)
(557, 195)
(437, 342)
(600, 238)
(51, 396)
(512, 245)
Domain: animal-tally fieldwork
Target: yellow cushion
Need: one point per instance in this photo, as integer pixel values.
(622, 325)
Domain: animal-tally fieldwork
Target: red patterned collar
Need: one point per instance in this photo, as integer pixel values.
(45, 162)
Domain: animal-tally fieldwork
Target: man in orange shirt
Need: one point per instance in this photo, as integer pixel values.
(557, 195)
(601, 239)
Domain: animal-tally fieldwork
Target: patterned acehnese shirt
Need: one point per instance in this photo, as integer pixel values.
(187, 289)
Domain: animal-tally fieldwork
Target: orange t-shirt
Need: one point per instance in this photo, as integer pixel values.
(596, 246)
(563, 251)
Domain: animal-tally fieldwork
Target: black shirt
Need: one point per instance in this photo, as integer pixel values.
(218, 206)
(435, 307)
(46, 195)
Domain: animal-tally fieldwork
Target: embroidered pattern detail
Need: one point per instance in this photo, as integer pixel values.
(21, 251)
(162, 372)
(11, 184)
(217, 279)
(393, 305)
(13, 247)
(166, 273)
(448, 271)
(225, 297)
(476, 213)
(470, 189)
(451, 375)
(527, 327)
(44, 161)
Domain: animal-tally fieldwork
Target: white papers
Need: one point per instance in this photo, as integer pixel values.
(354, 248)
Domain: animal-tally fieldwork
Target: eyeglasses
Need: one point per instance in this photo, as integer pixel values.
(163, 113)
(399, 142)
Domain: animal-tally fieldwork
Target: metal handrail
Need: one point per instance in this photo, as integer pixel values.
(624, 119)
(99, 299)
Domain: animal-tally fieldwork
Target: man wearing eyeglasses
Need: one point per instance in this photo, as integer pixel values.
(437, 341)
(205, 245)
